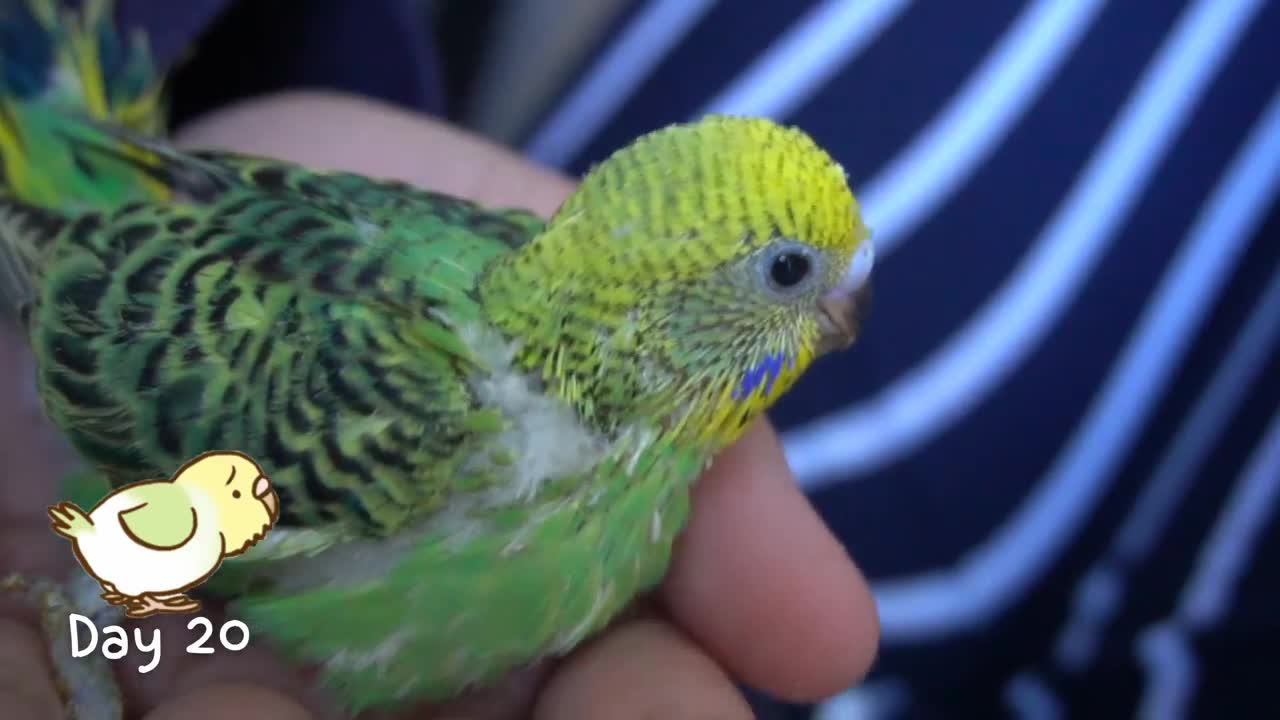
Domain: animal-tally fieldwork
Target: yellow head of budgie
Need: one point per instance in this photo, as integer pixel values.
(691, 278)
(246, 504)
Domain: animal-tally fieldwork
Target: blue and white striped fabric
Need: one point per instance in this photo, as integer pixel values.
(1056, 450)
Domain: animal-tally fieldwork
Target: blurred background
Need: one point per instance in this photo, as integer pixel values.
(1056, 449)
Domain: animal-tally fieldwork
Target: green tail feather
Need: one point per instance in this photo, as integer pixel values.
(62, 73)
(58, 69)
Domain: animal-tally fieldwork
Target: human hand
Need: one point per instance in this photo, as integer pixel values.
(759, 592)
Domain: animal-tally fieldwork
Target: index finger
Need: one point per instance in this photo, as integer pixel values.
(26, 683)
(759, 580)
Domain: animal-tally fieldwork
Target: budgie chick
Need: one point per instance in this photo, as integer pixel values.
(482, 427)
(148, 542)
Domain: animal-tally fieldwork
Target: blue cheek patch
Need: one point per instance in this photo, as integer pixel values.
(764, 373)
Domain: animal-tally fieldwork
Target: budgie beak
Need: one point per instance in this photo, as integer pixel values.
(846, 305)
(262, 490)
(842, 314)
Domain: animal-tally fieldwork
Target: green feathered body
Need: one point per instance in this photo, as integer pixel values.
(443, 518)
(430, 535)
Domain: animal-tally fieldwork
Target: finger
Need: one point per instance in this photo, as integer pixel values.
(182, 670)
(180, 673)
(641, 669)
(231, 701)
(759, 580)
(509, 699)
(26, 684)
(332, 131)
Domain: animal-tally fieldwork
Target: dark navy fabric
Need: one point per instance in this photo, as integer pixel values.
(1056, 449)
(233, 50)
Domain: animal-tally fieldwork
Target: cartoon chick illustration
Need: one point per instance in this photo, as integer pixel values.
(149, 542)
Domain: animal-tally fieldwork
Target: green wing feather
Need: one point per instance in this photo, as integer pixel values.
(291, 315)
(58, 70)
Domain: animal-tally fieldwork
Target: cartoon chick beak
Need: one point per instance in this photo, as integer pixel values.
(262, 490)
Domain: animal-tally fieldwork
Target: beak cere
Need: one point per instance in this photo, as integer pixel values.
(262, 490)
(843, 311)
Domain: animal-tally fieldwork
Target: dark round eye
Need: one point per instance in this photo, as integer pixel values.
(235, 494)
(789, 269)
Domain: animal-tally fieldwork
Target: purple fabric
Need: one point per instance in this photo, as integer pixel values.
(171, 26)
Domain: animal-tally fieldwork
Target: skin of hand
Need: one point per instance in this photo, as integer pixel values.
(759, 591)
